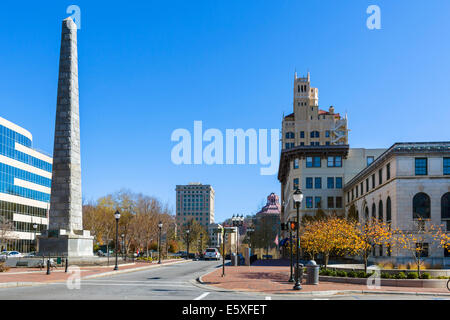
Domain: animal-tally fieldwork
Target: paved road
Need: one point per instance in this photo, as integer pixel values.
(170, 282)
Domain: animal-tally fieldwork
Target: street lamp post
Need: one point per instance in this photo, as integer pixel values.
(187, 244)
(35, 240)
(237, 221)
(291, 278)
(159, 242)
(117, 216)
(298, 198)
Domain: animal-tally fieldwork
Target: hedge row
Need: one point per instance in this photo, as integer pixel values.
(384, 275)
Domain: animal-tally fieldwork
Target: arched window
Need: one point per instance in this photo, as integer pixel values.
(374, 211)
(366, 214)
(445, 206)
(421, 206)
(388, 209)
(380, 211)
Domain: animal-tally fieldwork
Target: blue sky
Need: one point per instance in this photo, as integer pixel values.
(148, 68)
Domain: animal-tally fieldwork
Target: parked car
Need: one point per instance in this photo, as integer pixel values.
(14, 254)
(30, 254)
(211, 253)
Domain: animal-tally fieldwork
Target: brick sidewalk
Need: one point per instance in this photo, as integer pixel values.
(34, 275)
(274, 280)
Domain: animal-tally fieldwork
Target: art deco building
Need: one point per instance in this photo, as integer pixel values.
(308, 125)
(25, 182)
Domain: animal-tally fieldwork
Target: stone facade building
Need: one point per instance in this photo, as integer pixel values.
(407, 182)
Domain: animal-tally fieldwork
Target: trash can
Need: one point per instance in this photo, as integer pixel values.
(234, 259)
(312, 272)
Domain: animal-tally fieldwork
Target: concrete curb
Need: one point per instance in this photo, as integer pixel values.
(104, 274)
(203, 285)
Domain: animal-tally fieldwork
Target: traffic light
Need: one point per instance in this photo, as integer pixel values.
(293, 225)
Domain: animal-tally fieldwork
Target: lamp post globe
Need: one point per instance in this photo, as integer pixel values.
(117, 216)
(297, 196)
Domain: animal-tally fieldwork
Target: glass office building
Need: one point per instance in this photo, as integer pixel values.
(25, 184)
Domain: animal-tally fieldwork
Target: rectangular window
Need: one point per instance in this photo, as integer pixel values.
(348, 196)
(318, 202)
(311, 134)
(362, 188)
(338, 182)
(330, 201)
(369, 160)
(312, 143)
(367, 185)
(287, 146)
(373, 181)
(421, 167)
(380, 176)
(327, 143)
(302, 134)
(309, 183)
(309, 202)
(295, 163)
(316, 162)
(330, 182)
(302, 143)
(327, 133)
(334, 161)
(309, 162)
(356, 188)
(318, 183)
(338, 202)
(353, 195)
(388, 171)
(295, 183)
(446, 166)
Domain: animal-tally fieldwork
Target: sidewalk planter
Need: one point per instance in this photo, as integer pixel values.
(418, 283)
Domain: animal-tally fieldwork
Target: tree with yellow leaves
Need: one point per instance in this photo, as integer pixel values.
(415, 241)
(331, 235)
(368, 235)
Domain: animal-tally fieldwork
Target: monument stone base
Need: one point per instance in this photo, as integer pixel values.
(61, 243)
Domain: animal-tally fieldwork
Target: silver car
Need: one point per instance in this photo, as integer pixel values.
(211, 253)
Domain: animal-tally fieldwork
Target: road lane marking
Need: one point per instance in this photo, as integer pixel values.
(200, 297)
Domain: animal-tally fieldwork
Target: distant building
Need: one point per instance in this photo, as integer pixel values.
(267, 223)
(215, 238)
(25, 182)
(195, 202)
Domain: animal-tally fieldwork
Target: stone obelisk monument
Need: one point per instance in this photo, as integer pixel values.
(65, 233)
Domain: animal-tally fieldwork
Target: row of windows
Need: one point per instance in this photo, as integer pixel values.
(316, 162)
(359, 189)
(9, 138)
(332, 202)
(8, 173)
(312, 134)
(9, 208)
(421, 208)
(23, 192)
(290, 145)
(318, 183)
(421, 166)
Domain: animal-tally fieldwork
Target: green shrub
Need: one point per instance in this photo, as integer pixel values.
(400, 275)
(385, 275)
(333, 273)
(412, 275)
(442, 277)
(341, 273)
(361, 274)
(425, 275)
(352, 274)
